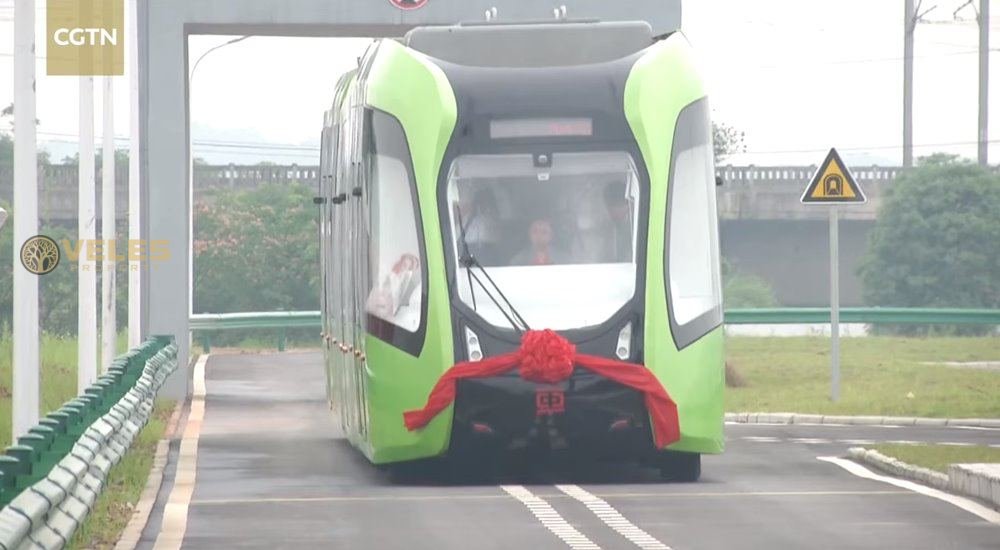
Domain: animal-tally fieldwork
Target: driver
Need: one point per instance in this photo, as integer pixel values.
(541, 251)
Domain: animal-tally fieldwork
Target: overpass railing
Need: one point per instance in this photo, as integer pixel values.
(203, 326)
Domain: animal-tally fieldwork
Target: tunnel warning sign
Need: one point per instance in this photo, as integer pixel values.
(833, 184)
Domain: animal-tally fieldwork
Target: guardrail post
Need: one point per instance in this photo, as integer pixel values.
(206, 342)
(282, 334)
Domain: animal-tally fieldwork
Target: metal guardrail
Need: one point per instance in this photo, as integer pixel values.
(868, 315)
(51, 479)
(206, 324)
(209, 323)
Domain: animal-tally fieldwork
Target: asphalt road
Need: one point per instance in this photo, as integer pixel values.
(272, 470)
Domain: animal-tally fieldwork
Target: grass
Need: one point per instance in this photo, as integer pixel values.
(124, 486)
(57, 377)
(938, 457)
(880, 375)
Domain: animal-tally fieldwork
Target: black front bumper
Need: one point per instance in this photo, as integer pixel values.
(586, 413)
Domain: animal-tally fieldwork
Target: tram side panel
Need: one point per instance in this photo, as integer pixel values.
(666, 107)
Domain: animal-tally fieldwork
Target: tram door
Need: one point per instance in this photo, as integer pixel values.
(363, 266)
(324, 291)
(359, 220)
(344, 266)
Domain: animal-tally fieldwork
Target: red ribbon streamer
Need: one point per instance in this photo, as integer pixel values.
(546, 357)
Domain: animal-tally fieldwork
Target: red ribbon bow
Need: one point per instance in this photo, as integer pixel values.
(546, 357)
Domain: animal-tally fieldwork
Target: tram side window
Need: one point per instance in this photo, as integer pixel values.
(693, 253)
(396, 291)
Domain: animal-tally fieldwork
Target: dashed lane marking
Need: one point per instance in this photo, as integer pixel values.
(810, 440)
(612, 518)
(857, 441)
(824, 441)
(968, 505)
(175, 513)
(551, 519)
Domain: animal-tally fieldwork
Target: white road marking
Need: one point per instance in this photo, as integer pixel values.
(175, 513)
(810, 440)
(968, 505)
(551, 519)
(823, 441)
(613, 518)
(980, 428)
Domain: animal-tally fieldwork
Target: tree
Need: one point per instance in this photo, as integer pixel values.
(727, 140)
(8, 114)
(257, 250)
(937, 239)
(7, 142)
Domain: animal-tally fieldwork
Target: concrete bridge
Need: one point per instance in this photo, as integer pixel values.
(764, 229)
(749, 192)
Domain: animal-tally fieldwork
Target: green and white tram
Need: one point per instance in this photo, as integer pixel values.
(481, 180)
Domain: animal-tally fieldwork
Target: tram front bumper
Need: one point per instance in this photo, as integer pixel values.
(585, 413)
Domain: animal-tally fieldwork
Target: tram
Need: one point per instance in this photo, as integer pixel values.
(481, 181)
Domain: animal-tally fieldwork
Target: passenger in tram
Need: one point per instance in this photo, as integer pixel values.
(481, 231)
(542, 250)
(618, 237)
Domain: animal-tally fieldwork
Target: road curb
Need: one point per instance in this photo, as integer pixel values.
(978, 481)
(802, 418)
(132, 533)
(898, 468)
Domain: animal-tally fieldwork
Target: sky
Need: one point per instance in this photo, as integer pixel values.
(797, 77)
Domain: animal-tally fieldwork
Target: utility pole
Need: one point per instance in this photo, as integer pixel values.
(134, 201)
(984, 80)
(909, 26)
(109, 326)
(86, 371)
(26, 334)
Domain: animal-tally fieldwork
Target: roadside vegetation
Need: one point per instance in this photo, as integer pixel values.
(881, 375)
(936, 243)
(939, 457)
(57, 379)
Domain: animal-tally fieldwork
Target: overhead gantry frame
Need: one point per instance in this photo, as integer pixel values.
(164, 27)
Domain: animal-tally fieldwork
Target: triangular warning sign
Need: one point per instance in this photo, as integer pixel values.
(833, 183)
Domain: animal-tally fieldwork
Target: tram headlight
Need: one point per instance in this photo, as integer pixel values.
(472, 345)
(624, 348)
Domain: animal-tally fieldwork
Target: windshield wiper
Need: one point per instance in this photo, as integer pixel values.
(468, 261)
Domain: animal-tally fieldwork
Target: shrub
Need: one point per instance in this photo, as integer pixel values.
(937, 241)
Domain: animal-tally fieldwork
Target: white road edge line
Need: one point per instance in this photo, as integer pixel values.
(612, 518)
(968, 505)
(175, 512)
(551, 519)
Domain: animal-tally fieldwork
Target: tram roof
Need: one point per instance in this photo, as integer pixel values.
(531, 44)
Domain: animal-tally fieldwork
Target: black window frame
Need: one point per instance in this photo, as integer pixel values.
(387, 331)
(688, 132)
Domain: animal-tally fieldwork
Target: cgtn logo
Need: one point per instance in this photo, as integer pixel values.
(85, 37)
(89, 37)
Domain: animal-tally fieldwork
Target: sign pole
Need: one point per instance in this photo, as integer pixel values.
(834, 304)
(24, 412)
(833, 185)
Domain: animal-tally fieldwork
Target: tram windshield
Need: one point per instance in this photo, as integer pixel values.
(557, 233)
